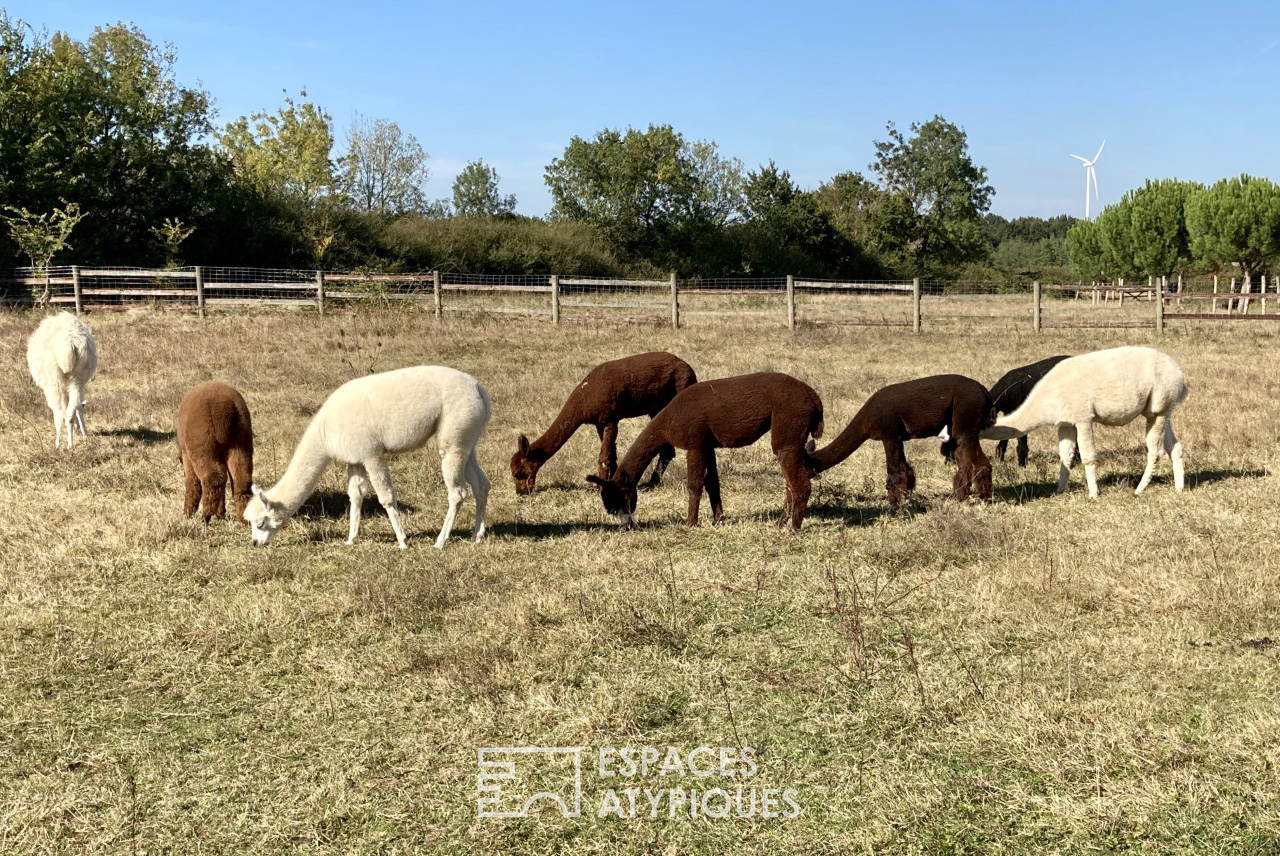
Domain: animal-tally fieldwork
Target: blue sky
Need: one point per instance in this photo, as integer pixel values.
(1177, 90)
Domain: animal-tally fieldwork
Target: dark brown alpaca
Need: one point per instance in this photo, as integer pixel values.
(215, 440)
(1009, 393)
(726, 413)
(640, 385)
(920, 408)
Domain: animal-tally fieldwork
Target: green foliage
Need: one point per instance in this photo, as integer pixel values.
(475, 193)
(945, 193)
(171, 233)
(1158, 225)
(1115, 230)
(1236, 221)
(651, 195)
(1085, 251)
(42, 236)
(285, 153)
(383, 169)
(504, 245)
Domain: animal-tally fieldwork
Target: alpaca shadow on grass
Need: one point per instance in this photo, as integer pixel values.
(543, 530)
(334, 503)
(853, 515)
(139, 434)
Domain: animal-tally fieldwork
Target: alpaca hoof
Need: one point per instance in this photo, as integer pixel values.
(402, 546)
(350, 542)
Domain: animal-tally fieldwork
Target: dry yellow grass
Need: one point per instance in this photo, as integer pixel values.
(1037, 674)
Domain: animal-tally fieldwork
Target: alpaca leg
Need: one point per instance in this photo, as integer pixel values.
(1155, 442)
(901, 479)
(696, 466)
(380, 477)
(799, 486)
(607, 461)
(1023, 451)
(665, 454)
(72, 408)
(1088, 456)
(974, 473)
(713, 485)
(240, 471)
(214, 481)
(1066, 454)
(80, 419)
(1001, 448)
(1174, 449)
(356, 480)
(191, 482)
(480, 487)
(453, 466)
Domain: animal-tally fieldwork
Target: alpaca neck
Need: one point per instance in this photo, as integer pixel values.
(1036, 412)
(853, 436)
(305, 469)
(642, 452)
(564, 426)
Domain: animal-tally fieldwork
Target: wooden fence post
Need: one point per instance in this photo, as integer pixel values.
(435, 290)
(675, 303)
(75, 287)
(1035, 306)
(1159, 294)
(555, 299)
(320, 292)
(200, 290)
(915, 305)
(1121, 292)
(1262, 301)
(791, 302)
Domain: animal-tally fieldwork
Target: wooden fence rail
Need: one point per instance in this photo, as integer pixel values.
(790, 300)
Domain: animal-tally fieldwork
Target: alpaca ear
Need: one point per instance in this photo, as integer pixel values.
(523, 445)
(596, 480)
(255, 490)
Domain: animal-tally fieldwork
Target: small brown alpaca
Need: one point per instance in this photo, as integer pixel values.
(215, 440)
(639, 385)
(726, 413)
(951, 406)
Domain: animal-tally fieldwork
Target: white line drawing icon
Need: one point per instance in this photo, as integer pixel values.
(498, 765)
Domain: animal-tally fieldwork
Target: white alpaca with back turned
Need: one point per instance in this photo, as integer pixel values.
(369, 418)
(1111, 387)
(62, 356)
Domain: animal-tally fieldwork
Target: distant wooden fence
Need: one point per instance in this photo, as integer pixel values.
(787, 300)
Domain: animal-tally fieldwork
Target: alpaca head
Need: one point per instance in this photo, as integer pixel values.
(525, 466)
(619, 497)
(263, 516)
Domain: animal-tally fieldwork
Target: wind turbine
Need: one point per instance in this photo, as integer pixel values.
(1090, 175)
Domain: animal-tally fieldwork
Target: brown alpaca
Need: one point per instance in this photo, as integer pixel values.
(215, 440)
(726, 413)
(951, 406)
(639, 385)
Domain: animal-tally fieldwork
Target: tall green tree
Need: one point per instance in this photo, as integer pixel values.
(1085, 252)
(1158, 224)
(1115, 230)
(476, 194)
(650, 194)
(104, 124)
(286, 153)
(786, 231)
(945, 191)
(1236, 221)
(384, 169)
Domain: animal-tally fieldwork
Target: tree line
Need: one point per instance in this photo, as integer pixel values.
(105, 158)
(1171, 228)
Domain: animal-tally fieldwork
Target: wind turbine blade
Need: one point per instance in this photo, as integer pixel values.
(1095, 157)
(1082, 160)
(1093, 174)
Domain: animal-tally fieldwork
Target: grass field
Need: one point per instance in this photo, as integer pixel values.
(1039, 674)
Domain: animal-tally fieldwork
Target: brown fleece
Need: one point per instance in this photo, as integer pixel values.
(215, 440)
(639, 385)
(725, 413)
(917, 409)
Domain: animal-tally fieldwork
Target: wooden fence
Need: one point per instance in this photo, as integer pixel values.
(790, 300)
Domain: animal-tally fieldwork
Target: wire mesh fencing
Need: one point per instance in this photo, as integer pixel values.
(748, 301)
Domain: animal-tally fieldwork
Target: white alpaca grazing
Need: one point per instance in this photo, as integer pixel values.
(62, 356)
(1111, 387)
(368, 418)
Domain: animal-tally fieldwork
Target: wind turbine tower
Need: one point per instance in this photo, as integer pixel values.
(1090, 175)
